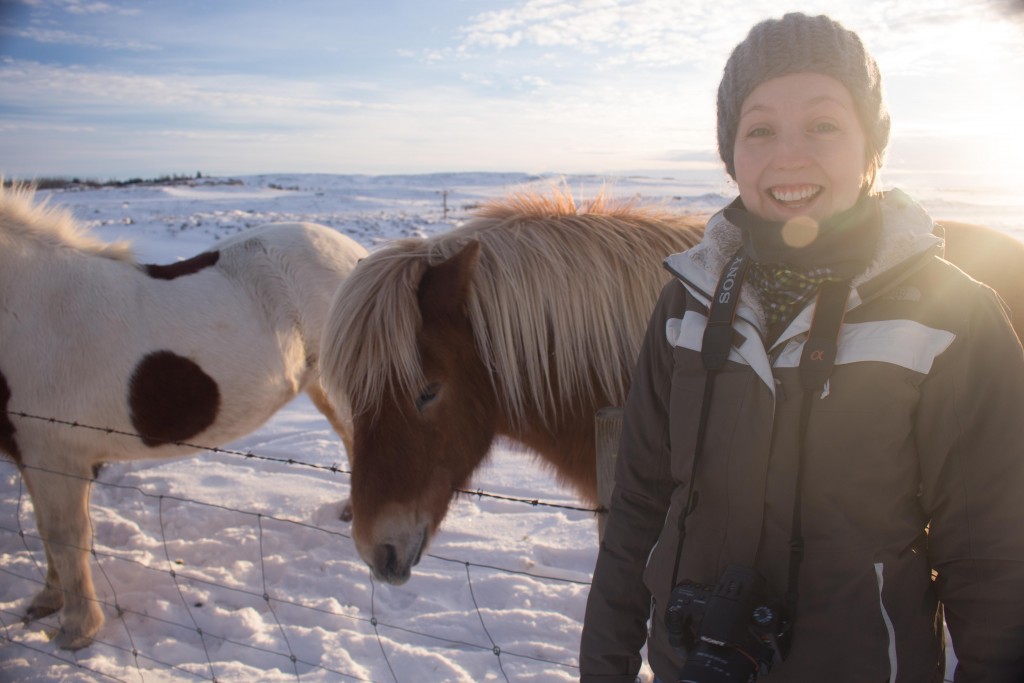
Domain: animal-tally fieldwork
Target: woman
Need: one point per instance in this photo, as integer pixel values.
(808, 483)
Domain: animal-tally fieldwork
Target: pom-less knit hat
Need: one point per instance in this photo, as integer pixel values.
(793, 44)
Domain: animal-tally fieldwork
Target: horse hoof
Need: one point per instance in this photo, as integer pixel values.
(71, 639)
(44, 604)
(79, 627)
(38, 612)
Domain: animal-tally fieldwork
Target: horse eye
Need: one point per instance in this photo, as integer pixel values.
(428, 395)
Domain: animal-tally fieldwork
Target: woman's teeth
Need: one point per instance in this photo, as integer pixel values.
(794, 195)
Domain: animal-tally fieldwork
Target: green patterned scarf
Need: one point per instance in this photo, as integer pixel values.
(784, 291)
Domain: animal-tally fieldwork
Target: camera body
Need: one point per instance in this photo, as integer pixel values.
(728, 631)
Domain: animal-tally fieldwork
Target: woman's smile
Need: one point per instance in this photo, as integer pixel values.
(795, 196)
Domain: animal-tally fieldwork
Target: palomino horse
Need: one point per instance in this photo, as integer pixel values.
(522, 323)
(206, 350)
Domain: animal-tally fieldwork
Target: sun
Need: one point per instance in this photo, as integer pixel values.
(986, 96)
(956, 96)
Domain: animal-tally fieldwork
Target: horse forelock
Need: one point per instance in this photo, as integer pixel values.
(23, 218)
(558, 302)
(370, 338)
(562, 302)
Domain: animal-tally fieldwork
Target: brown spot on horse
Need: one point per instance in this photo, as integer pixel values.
(171, 399)
(189, 266)
(7, 443)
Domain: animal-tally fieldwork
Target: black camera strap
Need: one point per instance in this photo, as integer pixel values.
(714, 352)
(816, 364)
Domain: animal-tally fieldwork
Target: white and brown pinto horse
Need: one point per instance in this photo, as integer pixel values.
(204, 350)
(522, 324)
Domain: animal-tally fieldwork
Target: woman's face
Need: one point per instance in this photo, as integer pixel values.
(800, 149)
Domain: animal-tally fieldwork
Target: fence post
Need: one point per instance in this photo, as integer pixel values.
(607, 426)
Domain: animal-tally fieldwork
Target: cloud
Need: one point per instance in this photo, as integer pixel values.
(621, 32)
(35, 126)
(510, 86)
(80, 8)
(53, 36)
(618, 35)
(48, 87)
(87, 7)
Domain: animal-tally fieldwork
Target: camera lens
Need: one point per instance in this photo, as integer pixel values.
(714, 664)
(763, 615)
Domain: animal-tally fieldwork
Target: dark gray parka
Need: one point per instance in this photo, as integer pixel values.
(913, 493)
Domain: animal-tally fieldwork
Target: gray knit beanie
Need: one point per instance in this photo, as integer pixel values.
(796, 43)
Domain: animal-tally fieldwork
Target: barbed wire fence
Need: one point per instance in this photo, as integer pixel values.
(174, 589)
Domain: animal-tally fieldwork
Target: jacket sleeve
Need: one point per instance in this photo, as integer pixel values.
(971, 440)
(615, 624)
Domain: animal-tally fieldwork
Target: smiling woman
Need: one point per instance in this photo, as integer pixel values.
(824, 415)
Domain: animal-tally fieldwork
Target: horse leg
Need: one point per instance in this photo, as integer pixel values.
(342, 426)
(51, 598)
(61, 504)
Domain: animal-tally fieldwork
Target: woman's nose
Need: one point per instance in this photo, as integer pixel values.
(792, 151)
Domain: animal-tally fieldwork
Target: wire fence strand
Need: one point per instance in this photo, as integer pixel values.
(16, 631)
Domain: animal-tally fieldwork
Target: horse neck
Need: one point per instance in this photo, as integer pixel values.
(565, 441)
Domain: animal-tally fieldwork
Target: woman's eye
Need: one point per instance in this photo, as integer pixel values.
(428, 395)
(824, 127)
(759, 132)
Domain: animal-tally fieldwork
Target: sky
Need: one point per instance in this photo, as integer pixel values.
(114, 90)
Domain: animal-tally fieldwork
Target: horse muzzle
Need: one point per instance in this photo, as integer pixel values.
(392, 562)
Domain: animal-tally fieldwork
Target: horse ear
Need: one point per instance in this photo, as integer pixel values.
(446, 286)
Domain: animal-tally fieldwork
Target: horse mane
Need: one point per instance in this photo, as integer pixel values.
(23, 218)
(556, 293)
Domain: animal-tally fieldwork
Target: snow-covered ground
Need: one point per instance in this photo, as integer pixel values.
(224, 567)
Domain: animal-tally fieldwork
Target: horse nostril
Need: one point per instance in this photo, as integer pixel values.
(390, 559)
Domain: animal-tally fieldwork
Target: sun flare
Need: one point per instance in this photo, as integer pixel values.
(969, 121)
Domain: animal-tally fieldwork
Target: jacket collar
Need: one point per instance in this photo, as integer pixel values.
(906, 233)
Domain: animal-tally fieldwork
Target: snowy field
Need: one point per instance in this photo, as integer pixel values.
(229, 568)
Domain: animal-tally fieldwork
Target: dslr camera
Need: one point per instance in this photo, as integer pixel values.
(727, 631)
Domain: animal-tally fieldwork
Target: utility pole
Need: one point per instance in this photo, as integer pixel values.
(444, 202)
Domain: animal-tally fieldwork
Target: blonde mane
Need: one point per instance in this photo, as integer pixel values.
(22, 218)
(558, 290)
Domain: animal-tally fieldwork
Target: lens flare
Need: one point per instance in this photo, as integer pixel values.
(800, 231)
